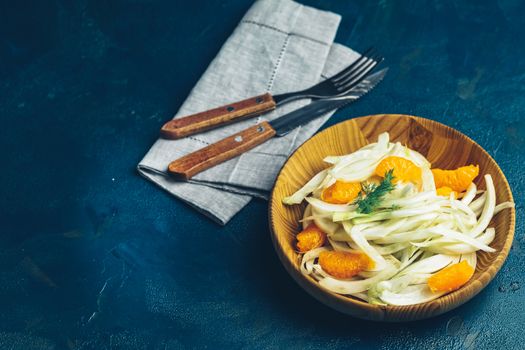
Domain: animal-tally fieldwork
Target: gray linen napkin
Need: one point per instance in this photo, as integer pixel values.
(279, 46)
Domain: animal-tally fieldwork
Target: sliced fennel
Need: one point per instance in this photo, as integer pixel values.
(410, 235)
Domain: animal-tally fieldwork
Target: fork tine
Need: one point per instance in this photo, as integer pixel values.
(345, 71)
(350, 84)
(356, 79)
(369, 60)
(358, 62)
(357, 69)
(354, 72)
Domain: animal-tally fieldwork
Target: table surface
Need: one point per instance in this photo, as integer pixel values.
(92, 256)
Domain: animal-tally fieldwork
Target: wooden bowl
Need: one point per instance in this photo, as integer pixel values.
(444, 147)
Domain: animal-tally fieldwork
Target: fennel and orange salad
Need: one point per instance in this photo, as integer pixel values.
(383, 226)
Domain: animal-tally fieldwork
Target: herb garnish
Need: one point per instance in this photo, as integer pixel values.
(374, 193)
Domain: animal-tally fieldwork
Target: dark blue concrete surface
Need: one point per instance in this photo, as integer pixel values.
(94, 257)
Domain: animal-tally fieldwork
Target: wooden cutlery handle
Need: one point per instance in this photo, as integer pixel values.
(212, 118)
(189, 165)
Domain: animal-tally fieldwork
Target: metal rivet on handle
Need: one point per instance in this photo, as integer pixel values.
(238, 138)
(258, 100)
(260, 128)
(230, 108)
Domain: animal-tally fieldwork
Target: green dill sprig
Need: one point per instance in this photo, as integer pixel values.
(367, 202)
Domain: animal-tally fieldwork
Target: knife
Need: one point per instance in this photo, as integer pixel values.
(193, 163)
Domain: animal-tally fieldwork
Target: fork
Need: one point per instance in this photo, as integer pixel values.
(337, 85)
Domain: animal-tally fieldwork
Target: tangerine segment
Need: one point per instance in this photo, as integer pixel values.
(445, 191)
(310, 238)
(450, 278)
(404, 169)
(458, 180)
(344, 265)
(341, 192)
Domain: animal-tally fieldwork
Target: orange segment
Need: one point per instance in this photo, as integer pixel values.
(458, 180)
(344, 265)
(445, 191)
(341, 192)
(310, 238)
(404, 169)
(450, 278)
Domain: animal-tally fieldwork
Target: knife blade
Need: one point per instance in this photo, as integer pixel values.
(191, 164)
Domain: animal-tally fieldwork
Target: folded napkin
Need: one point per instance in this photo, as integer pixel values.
(279, 46)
